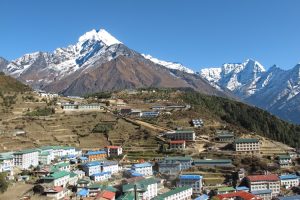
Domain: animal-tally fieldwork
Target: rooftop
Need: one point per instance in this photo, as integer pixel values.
(95, 153)
(141, 184)
(226, 189)
(146, 164)
(25, 151)
(242, 194)
(171, 192)
(257, 192)
(288, 176)
(179, 158)
(57, 175)
(190, 177)
(269, 177)
(246, 140)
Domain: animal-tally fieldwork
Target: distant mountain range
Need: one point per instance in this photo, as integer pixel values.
(100, 62)
(275, 90)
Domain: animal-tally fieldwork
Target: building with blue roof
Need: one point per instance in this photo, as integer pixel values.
(91, 168)
(242, 188)
(191, 180)
(143, 168)
(289, 180)
(202, 197)
(83, 192)
(96, 155)
(264, 194)
(101, 176)
(295, 197)
(110, 166)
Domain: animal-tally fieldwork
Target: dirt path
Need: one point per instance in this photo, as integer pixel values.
(15, 191)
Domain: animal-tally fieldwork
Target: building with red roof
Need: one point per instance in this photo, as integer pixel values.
(113, 150)
(241, 195)
(177, 144)
(57, 192)
(105, 195)
(264, 185)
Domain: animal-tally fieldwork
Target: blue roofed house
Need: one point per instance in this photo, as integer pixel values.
(143, 168)
(293, 197)
(191, 180)
(289, 180)
(102, 176)
(110, 166)
(91, 168)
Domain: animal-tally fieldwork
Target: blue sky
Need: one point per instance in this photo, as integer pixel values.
(196, 33)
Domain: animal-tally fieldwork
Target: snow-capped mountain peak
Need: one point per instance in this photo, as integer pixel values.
(170, 65)
(101, 35)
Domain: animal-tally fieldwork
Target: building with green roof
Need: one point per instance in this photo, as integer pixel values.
(224, 190)
(58, 178)
(146, 188)
(246, 145)
(180, 193)
(27, 158)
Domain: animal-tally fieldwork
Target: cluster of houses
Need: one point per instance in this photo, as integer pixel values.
(97, 174)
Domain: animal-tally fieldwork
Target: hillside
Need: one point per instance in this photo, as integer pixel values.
(9, 84)
(248, 117)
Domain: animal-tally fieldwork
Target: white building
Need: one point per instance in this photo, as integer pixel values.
(177, 144)
(180, 193)
(92, 168)
(112, 167)
(247, 145)
(289, 181)
(194, 181)
(102, 176)
(79, 173)
(143, 168)
(113, 150)
(284, 160)
(26, 158)
(58, 151)
(146, 188)
(44, 158)
(6, 162)
(258, 183)
(188, 135)
(60, 178)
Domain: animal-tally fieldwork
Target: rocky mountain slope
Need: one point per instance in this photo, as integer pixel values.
(9, 84)
(275, 90)
(100, 62)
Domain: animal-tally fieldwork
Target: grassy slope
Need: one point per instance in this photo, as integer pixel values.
(9, 84)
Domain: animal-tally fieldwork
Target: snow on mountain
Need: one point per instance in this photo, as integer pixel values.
(170, 65)
(234, 75)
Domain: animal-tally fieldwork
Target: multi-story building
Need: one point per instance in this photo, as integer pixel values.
(186, 162)
(88, 107)
(258, 183)
(62, 166)
(194, 181)
(6, 162)
(44, 158)
(284, 160)
(143, 168)
(102, 176)
(263, 194)
(111, 166)
(26, 158)
(246, 145)
(169, 168)
(188, 135)
(224, 136)
(177, 144)
(180, 193)
(91, 168)
(113, 150)
(95, 155)
(58, 151)
(60, 178)
(289, 181)
(146, 188)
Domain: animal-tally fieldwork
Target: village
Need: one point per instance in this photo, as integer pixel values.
(183, 163)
